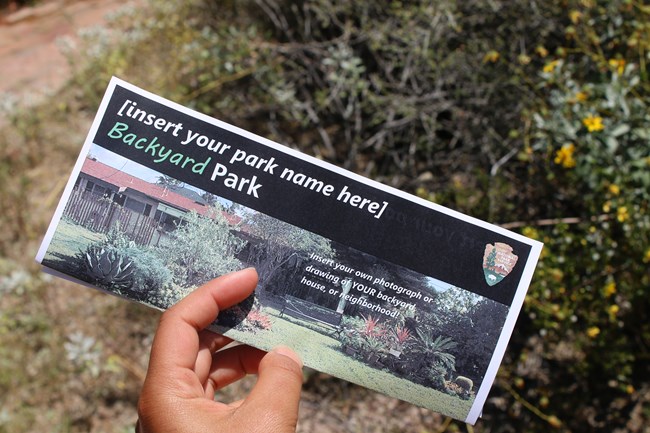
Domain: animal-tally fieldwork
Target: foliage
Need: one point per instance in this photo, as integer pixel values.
(151, 278)
(84, 352)
(366, 337)
(202, 248)
(108, 268)
(277, 241)
(588, 156)
(400, 336)
(168, 181)
(436, 351)
(151, 274)
(423, 360)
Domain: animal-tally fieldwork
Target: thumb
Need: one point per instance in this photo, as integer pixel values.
(276, 395)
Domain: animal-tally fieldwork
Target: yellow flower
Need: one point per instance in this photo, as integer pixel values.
(622, 214)
(607, 206)
(610, 289)
(614, 189)
(593, 332)
(581, 96)
(541, 51)
(629, 389)
(564, 156)
(618, 64)
(491, 56)
(530, 232)
(575, 16)
(612, 311)
(593, 123)
(519, 382)
(550, 66)
(646, 256)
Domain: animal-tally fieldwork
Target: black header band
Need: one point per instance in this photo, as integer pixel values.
(306, 193)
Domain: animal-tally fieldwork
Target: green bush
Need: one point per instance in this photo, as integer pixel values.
(150, 274)
(201, 248)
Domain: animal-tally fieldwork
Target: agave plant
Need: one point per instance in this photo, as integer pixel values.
(108, 268)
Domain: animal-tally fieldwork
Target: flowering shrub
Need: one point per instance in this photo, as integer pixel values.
(399, 337)
(258, 320)
(588, 153)
(364, 336)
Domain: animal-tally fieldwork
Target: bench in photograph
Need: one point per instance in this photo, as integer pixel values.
(306, 310)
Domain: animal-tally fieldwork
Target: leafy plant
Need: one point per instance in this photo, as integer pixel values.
(372, 328)
(279, 241)
(202, 248)
(399, 336)
(84, 352)
(366, 337)
(108, 268)
(436, 350)
(151, 275)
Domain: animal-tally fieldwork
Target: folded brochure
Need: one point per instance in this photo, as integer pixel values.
(367, 283)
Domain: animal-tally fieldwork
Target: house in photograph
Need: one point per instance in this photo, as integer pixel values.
(146, 211)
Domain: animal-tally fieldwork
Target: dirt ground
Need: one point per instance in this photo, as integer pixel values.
(31, 64)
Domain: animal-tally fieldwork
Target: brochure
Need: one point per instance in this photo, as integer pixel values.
(367, 283)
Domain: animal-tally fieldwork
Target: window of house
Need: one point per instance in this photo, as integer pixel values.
(134, 205)
(100, 190)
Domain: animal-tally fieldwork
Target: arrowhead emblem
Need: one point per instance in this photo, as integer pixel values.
(498, 262)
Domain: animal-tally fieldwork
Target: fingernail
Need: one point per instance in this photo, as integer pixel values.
(250, 268)
(284, 350)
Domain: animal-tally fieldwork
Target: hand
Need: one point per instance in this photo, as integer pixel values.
(185, 370)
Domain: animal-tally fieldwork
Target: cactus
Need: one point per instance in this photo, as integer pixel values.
(108, 268)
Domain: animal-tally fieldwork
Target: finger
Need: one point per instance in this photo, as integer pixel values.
(279, 370)
(230, 365)
(209, 343)
(176, 343)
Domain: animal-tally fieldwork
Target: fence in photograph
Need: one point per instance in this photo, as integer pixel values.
(99, 214)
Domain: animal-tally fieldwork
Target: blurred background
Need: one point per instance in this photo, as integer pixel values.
(530, 114)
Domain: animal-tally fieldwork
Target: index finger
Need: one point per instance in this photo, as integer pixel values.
(176, 343)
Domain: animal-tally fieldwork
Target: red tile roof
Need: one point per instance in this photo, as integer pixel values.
(120, 179)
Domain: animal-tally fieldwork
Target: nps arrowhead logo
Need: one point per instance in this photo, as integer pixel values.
(498, 262)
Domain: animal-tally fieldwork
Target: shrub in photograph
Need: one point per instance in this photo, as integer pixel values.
(201, 248)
